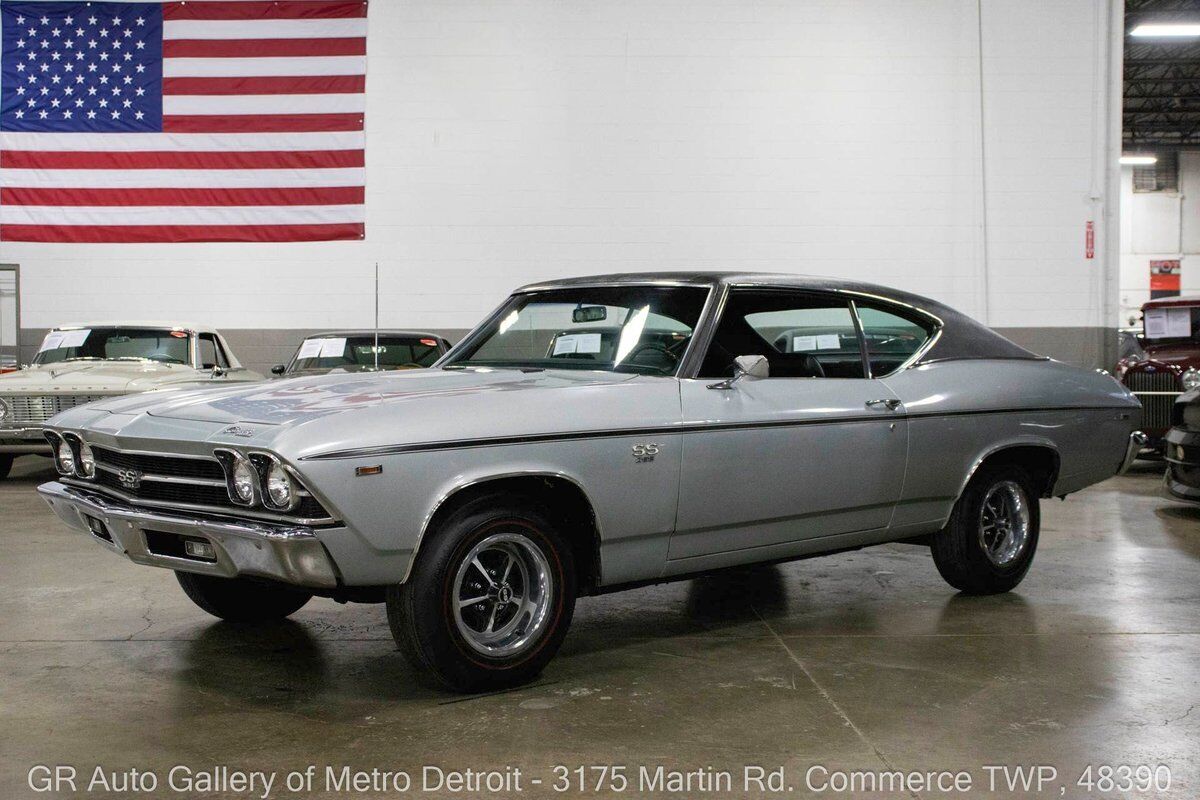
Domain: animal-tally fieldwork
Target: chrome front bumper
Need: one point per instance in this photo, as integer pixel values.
(1137, 441)
(291, 554)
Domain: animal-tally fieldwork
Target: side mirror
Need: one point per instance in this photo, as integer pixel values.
(278, 369)
(745, 367)
(218, 372)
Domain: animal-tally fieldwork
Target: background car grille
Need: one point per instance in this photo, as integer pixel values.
(36, 409)
(196, 482)
(1156, 408)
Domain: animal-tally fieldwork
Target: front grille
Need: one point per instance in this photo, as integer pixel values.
(161, 465)
(36, 409)
(1156, 408)
(196, 482)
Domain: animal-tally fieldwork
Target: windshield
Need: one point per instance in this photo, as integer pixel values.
(640, 329)
(357, 353)
(131, 344)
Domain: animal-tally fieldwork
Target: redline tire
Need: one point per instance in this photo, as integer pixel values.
(966, 557)
(242, 599)
(518, 624)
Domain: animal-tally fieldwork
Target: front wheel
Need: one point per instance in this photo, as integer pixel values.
(242, 599)
(992, 535)
(489, 598)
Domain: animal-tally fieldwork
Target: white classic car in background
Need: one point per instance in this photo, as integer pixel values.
(78, 364)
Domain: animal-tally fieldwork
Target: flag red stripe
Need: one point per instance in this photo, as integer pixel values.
(181, 233)
(261, 123)
(265, 9)
(262, 48)
(264, 159)
(309, 84)
(314, 196)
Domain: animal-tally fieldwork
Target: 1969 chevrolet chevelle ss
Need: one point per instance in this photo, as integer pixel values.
(594, 434)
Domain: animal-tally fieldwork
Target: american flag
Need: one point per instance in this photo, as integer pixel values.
(198, 121)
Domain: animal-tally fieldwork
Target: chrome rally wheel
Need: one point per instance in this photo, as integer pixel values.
(503, 590)
(1004, 523)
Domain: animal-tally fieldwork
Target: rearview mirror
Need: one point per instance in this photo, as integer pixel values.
(589, 314)
(745, 367)
(278, 369)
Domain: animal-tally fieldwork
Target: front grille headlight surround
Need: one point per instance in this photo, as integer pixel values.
(280, 490)
(241, 478)
(6, 412)
(82, 462)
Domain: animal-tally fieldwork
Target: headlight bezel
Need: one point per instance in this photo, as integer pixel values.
(231, 462)
(1192, 375)
(6, 411)
(278, 475)
(269, 466)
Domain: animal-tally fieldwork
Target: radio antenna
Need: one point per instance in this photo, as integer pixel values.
(376, 348)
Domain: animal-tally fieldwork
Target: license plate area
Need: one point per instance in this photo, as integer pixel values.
(98, 528)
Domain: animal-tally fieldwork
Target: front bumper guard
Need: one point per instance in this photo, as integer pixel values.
(1137, 443)
(291, 554)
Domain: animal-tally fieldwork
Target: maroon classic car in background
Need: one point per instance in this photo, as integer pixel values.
(1169, 363)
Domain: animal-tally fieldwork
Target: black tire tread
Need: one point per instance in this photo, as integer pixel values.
(955, 548)
(240, 599)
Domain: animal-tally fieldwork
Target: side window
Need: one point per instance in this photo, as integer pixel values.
(210, 353)
(802, 335)
(891, 339)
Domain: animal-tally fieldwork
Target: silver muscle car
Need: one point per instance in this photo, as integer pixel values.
(79, 364)
(590, 435)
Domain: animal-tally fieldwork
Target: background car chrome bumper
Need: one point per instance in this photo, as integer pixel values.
(285, 553)
(1137, 442)
(23, 440)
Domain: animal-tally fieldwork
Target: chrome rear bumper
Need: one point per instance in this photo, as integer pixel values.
(1137, 441)
(291, 554)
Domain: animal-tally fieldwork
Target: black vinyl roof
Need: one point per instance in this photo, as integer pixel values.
(958, 337)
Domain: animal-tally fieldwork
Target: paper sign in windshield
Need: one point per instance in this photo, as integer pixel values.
(322, 348)
(66, 339)
(577, 343)
(801, 344)
(53, 341)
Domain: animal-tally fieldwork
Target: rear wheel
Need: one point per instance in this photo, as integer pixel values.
(489, 599)
(992, 536)
(6, 462)
(242, 599)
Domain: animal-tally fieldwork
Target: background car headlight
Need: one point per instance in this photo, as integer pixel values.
(1191, 379)
(65, 458)
(280, 488)
(87, 461)
(5, 411)
(244, 477)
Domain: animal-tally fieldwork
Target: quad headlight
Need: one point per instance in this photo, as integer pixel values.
(6, 412)
(64, 457)
(86, 466)
(281, 490)
(1191, 379)
(244, 477)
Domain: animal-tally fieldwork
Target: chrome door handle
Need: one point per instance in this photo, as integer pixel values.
(890, 403)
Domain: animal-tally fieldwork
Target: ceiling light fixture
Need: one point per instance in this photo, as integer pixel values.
(1139, 161)
(1173, 30)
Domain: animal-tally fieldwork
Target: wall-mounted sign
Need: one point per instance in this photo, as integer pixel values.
(1164, 278)
(1089, 240)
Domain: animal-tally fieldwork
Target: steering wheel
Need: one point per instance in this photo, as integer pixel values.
(651, 347)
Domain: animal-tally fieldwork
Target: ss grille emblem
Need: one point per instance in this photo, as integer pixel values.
(645, 453)
(129, 478)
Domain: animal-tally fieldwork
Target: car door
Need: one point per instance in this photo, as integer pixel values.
(773, 466)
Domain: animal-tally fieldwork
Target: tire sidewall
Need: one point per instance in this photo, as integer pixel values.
(425, 600)
(968, 523)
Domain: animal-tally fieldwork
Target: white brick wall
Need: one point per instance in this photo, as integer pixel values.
(516, 141)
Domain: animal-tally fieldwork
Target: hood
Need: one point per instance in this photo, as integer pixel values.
(295, 400)
(95, 377)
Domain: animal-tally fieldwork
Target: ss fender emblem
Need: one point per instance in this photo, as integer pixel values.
(645, 453)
